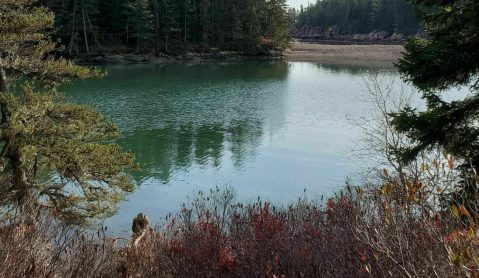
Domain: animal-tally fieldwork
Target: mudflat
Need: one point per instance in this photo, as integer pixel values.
(367, 55)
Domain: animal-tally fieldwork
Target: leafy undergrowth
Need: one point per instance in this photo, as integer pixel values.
(398, 229)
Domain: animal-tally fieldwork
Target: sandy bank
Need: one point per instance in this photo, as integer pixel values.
(367, 55)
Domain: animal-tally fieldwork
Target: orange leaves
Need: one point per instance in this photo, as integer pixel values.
(387, 189)
(464, 210)
(455, 211)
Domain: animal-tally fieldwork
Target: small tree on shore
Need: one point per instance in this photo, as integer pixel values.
(40, 133)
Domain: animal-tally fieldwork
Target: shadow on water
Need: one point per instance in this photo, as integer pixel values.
(353, 70)
(200, 71)
(167, 151)
(177, 116)
(269, 128)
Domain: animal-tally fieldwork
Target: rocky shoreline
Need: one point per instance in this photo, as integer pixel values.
(340, 35)
(108, 59)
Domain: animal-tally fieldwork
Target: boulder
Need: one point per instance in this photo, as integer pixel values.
(318, 30)
(382, 35)
(335, 30)
(397, 37)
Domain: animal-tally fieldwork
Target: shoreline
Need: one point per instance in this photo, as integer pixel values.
(378, 55)
(126, 59)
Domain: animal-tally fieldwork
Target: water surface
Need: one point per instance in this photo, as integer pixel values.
(269, 129)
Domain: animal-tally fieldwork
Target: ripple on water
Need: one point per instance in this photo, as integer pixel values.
(266, 128)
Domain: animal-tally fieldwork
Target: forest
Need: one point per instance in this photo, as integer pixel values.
(246, 26)
(359, 16)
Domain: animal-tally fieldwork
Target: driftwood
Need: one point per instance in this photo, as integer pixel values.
(140, 226)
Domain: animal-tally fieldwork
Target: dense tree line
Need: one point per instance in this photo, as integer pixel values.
(170, 25)
(359, 16)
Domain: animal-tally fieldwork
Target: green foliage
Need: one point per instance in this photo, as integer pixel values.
(46, 135)
(449, 57)
(361, 16)
(175, 25)
(42, 135)
(25, 47)
(140, 18)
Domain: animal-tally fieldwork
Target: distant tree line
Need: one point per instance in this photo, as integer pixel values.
(248, 26)
(359, 16)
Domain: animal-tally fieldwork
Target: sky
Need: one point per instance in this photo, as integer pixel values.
(297, 3)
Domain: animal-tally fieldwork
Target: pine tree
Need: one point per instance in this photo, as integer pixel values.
(141, 19)
(449, 57)
(42, 135)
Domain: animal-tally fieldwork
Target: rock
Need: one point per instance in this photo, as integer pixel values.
(335, 30)
(420, 34)
(116, 59)
(382, 35)
(161, 60)
(135, 58)
(99, 60)
(397, 37)
(303, 29)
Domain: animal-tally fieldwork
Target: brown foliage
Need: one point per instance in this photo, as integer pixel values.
(391, 231)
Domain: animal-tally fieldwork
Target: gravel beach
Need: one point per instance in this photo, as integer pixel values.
(367, 55)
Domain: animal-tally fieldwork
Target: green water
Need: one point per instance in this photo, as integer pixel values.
(269, 129)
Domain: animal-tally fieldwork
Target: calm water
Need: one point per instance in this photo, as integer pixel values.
(268, 129)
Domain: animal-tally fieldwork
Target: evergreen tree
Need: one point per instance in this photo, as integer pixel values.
(40, 134)
(141, 20)
(171, 25)
(448, 58)
(361, 16)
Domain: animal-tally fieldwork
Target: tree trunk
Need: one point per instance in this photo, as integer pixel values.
(84, 28)
(138, 37)
(166, 31)
(157, 36)
(19, 176)
(73, 28)
(127, 29)
(185, 22)
(3, 81)
(3, 90)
